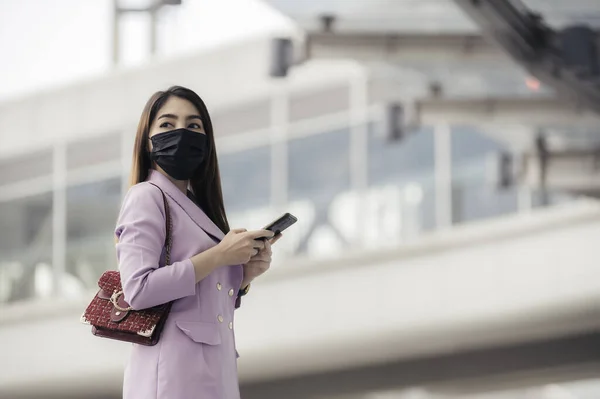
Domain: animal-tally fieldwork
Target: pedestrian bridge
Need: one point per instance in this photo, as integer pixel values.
(522, 278)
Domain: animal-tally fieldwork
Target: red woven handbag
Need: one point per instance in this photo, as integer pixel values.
(111, 317)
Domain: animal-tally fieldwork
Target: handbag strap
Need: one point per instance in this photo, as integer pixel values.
(169, 227)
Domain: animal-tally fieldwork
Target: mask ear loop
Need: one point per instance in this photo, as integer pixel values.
(151, 154)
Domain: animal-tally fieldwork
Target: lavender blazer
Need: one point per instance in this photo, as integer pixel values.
(196, 355)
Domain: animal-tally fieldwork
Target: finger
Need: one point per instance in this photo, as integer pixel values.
(258, 257)
(261, 233)
(237, 231)
(275, 238)
(261, 257)
(258, 244)
(268, 247)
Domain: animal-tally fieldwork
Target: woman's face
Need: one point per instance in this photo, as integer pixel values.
(176, 113)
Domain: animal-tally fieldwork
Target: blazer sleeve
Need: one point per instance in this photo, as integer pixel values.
(141, 235)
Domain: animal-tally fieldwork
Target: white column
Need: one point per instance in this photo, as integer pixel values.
(279, 144)
(525, 198)
(154, 31)
(443, 176)
(116, 34)
(59, 216)
(359, 142)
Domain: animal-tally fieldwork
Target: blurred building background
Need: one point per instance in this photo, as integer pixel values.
(442, 156)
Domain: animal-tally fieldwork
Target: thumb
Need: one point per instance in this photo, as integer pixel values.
(238, 231)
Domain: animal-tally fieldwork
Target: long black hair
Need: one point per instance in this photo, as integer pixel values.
(206, 182)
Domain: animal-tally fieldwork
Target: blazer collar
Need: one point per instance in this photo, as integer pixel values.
(193, 211)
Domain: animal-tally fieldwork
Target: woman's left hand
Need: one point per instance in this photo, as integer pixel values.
(259, 263)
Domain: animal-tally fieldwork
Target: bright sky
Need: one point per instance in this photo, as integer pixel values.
(47, 43)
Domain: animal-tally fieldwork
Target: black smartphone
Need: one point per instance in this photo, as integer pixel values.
(281, 223)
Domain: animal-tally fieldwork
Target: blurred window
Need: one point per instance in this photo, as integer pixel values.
(319, 165)
(26, 246)
(409, 165)
(246, 178)
(92, 211)
(475, 176)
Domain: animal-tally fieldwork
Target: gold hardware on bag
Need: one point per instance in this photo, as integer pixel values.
(114, 298)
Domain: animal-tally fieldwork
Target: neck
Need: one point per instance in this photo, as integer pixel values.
(182, 185)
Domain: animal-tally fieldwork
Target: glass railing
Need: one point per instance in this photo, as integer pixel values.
(397, 205)
(396, 210)
(30, 276)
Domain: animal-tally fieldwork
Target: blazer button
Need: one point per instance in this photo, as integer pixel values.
(219, 286)
(220, 318)
(231, 292)
(231, 325)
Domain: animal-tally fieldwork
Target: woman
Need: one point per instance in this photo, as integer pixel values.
(211, 266)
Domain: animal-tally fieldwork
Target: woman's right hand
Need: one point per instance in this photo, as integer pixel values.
(239, 245)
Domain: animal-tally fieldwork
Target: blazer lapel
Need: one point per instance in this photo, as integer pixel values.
(188, 206)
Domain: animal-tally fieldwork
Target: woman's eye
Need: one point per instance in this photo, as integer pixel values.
(165, 124)
(194, 126)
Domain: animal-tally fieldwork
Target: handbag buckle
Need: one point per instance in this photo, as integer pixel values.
(114, 298)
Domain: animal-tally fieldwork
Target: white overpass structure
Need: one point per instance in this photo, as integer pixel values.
(531, 277)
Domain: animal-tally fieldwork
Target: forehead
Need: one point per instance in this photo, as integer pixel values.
(177, 106)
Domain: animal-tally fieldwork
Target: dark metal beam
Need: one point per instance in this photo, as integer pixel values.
(581, 351)
(536, 47)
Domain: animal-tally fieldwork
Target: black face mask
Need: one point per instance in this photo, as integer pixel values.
(179, 152)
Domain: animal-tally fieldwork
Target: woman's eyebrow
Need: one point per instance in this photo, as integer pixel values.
(171, 116)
